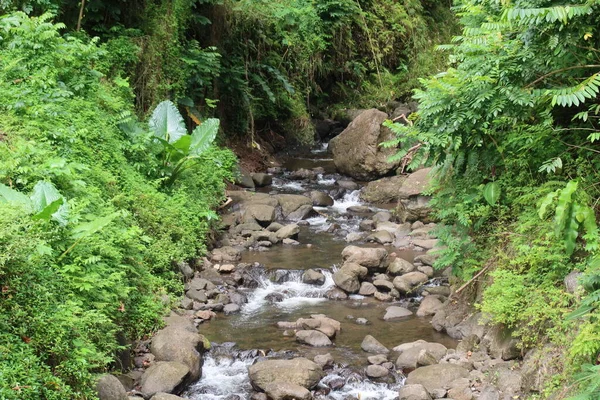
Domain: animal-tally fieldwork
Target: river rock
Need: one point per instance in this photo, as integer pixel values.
(288, 232)
(109, 387)
(500, 343)
(226, 254)
(427, 270)
(356, 151)
(395, 312)
(313, 338)
(383, 285)
(231, 308)
(367, 289)
(366, 225)
(427, 258)
(400, 266)
(407, 282)
(377, 359)
(336, 294)
(413, 392)
(320, 199)
(313, 277)
(427, 244)
(245, 180)
(287, 391)
(372, 345)
(429, 306)
(381, 237)
(347, 277)
(382, 216)
(409, 352)
(179, 341)
(436, 376)
(426, 358)
(384, 190)
(415, 184)
(302, 213)
(572, 282)
(384, 297)
(164, 396)
(460, 389)
(292, 202)
(261, 213)
(348, 185)
(298, 371)
(166, 377)
(387, 226)
(260, 179)
(365, 256)
(377, 371)
(324, 360)
(353, 237)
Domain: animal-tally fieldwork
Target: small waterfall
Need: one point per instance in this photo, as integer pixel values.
(286, 288)
(285, 185)
(325, 182)
(357, 387)
(350, 199)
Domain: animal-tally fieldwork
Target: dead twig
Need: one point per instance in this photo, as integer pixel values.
(460, 289)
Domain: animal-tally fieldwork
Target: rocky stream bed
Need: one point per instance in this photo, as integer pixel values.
(322, 287)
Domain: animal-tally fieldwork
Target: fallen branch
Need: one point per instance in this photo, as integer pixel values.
(403, 117)
(460, 289)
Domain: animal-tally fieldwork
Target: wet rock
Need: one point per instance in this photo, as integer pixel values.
(303, 174)
(320, 199)
(336, 294)
(359, 209)
(383, 285)
(288, 232)
(384, 190)
(292, 202)
(165, 377)
(336, 383)
(261, 213)
(426, 259)
(413, 392)
(273, 298)
(287, 391)
(274, 226)
(489, 392)
(347, 277)
(367, 289)
(298, 371)
(377, 371)
(353, 237)
(377, 359)
(407, 282)
(324, 360)
(259, 396)
(384, 297)
(356, 151)
(290, 242)
(396, 312)
(572, 282)
(367, 257)
(313, 338)
(409, 353)
(109, 387)
(381, 237)
(179, 341)
(366, 225)
(313, 277)
(426, 358)
(427, 244)
(372, 345)
(460, 389)
(348, 185)
(427, 270)
(226, 254)
(261, 179)
(187, 303)
(438, 290)
(205, 314)
(302, 213)
(429, 306)
(501, 344)
(362, 321)
(436, 376)
(231, 308)
(400, 266)
(164, 396)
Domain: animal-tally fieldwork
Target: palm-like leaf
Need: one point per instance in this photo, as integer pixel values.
(167, 123)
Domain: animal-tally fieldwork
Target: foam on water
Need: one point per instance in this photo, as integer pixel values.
(349, 200)
(288, 185)
(325, 182)
(321, 149)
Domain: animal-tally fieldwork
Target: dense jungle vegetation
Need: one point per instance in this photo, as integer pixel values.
(105, 186)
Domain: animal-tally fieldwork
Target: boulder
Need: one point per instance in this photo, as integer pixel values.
(313, 277)
(384, 190)
(460, 389)
(245, 180)
(165, 377)
(179, 341)
(381, 237)
(303, 212)
(231, 308)
(407, 282)
(426, 244)
(367, 289)
(303, 174)
(287, 391)
(413, 392)
(313, 338)
(348, 185)
(288, 232)
(261, 213)
(260, 179)
(500, 343)
(336, 294)
(292, 202)
(226, 254)
(377, 371)
(429, 306)
(395, 312)
(400, 266)
(414, 208)
(320, 199)
(383, 285)
(365, 256)
(164, 396)
(324, 360)
(109, 387)
(415, 184)
(356, 151)
(377, 359)
(298, 371)
(353, 237)
(372, 345)
(572, 282)
(409, 352)
(382, 216)
(540, 365)
(436, 376)
(347, 277)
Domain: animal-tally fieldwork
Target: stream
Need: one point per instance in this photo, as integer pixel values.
(238, 340)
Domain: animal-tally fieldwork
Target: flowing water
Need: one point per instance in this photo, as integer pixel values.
(277, 293)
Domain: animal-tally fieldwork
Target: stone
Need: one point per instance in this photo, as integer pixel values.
(324, 360)
(366, 225)
(383, 191)
(313, 277)
(489, 392)
(426, 269)
(286, 391)
(303, 174)
(348, 185)
(109, 387)
(415, 184)
(359, 209)
(288, 232)
(298, 371)
(261, 213)
(387, 226)
(302, 213)
(274, 226)
(426, 259)
(383, 285)
(372, 345)
(413, 392)
(185, 269)
(356, 151)
(438, 290)
(460, 389)
(231, 308)
(427, 244)
(400, 266)
(165, 377)
(320, 199)
(347, 277)
(500, 343)
(571, 281)
(396, 312)
(179, 341)
(367, 289)
(261, 179)
(409, 353)
(226, 254)
(381, 237)
(365, 256)
(426, 358)
(429, 306)
(336, 294)
(437, 376)
(187, 303)
(313, 338)
(540, 365)
(377, 359)
(377, 371)
(245, 180)
(382, 216)
(163, 396)
(362, 321)
(290, 242)
(353, 237)
(407, 282)
(292, 202)
(384, 297)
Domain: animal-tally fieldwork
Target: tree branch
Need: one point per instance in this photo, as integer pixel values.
(558, 71)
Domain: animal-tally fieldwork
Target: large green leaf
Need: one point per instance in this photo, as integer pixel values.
(167, 123)
(88, 228)
(203, 136)
(46, 213)
(44, 195)
(9, 195)
(491, 193)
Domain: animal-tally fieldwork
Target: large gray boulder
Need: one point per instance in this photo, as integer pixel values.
(436, 376)
(348, 277)
(366, 256)
(415, 184)
(298, 371)
(356, 151)
(165, 377)
(109, 387)
(372, 345)
(400, 266)
(288, 232)
(409, 353)
(429, 306)
(287, 391)
(396, 312)
(320, 199)
(262, 213)
(384, 190)
(313, 338)
(407, 282)
(413, 392)
(261, 179)
(179, 341)
(292, 202)
(164, 396)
